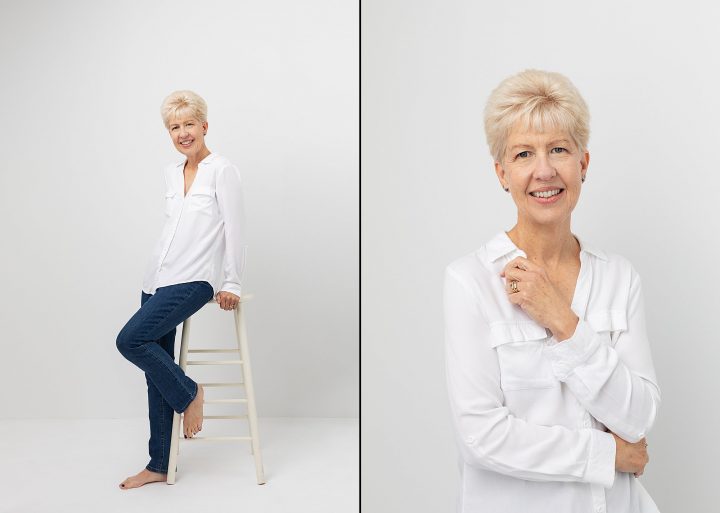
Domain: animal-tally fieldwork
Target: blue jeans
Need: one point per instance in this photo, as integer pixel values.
(148, 341)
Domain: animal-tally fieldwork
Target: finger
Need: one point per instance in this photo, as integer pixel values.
(516, 274)
(525, 265)
(513, 265)
(521, 263)
(516, 298)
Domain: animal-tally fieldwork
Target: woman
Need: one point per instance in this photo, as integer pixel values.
(200, 255)
(549, 372)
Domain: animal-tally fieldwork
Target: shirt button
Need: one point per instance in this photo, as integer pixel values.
(599, 509)
(470, 440)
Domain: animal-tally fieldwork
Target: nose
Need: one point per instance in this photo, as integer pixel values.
(544, 169)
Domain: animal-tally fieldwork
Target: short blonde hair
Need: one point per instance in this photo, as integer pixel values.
(178, 103)
(538, 101)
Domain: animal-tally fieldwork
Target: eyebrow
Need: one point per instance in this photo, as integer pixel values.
(551, 143)
(516, 146)
(558, 141)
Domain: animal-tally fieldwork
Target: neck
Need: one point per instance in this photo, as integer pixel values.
(547, 245)
(194, 159)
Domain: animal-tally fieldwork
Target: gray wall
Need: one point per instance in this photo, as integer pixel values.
(429, 195)
(81, 192)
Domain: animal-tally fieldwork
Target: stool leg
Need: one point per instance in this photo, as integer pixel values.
(247, 374)
(175, 440)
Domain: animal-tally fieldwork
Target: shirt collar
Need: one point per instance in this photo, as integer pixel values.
(501, 245)
(206, 160)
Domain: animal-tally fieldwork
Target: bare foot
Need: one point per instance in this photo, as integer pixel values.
(143, 477)
(193, 414)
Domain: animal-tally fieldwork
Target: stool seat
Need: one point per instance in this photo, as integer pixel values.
(249, 400)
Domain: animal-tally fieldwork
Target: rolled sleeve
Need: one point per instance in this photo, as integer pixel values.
(572, 352)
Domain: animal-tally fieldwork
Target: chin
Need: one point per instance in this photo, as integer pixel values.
(551, 220)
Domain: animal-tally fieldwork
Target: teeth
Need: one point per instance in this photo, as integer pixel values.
(546, 194)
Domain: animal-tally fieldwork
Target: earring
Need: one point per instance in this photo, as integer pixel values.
(582, 179)
(506, 189)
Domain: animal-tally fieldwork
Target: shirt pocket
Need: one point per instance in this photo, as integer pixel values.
(202, 200)
(170, 202)
(608, 324)
(519, 348)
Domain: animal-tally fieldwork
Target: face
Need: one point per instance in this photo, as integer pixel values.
(543, 171)
(187, 134)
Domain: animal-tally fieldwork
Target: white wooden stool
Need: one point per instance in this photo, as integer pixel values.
(249, 399)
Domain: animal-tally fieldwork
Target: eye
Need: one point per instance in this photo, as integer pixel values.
(558, 150)
(522, 155)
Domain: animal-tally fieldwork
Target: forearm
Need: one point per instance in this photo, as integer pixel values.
(230, 199)
(621, 399)
(511, 446)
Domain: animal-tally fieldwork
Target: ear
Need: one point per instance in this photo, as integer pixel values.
(205, 126)
(584, 163)
(500, 172)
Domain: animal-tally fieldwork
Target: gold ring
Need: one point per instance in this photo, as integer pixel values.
(513, 286)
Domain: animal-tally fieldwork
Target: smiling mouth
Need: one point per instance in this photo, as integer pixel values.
(186, 143)
(546, 194)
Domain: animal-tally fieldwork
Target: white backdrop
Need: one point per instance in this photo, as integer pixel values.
(81, 191)
(430, 195)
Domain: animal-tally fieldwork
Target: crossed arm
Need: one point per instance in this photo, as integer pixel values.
(615, 384)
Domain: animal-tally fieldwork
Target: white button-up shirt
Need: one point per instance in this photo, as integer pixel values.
(531, 414)
(203, 238)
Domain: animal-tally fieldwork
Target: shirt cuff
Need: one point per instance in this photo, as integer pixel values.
(574, 351)
(601, 463)
(233, 288)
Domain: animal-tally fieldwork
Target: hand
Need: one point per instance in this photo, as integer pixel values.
(539, 297)
(630, 457)
(227, 300)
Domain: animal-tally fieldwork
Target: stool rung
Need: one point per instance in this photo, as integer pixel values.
(235, 384)
(224, 417)
(214, 362)
(213, 350)
(213, 438)
(218, 401)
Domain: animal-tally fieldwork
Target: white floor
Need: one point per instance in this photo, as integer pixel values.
(75, 466)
